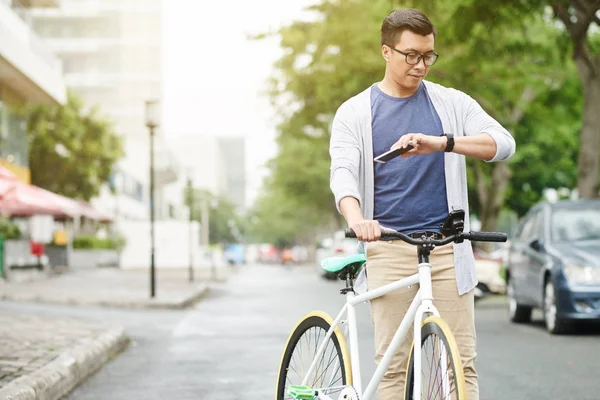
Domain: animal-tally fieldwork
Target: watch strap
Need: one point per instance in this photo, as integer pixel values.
(449, 143)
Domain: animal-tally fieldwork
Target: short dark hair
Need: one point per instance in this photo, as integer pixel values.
(403, 19)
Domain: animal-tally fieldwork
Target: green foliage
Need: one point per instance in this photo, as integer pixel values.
(71, 152)
(576, 23)
(225, 223)
(511, 57)
(93, 242)
(8, 229)
(547, 142)
(285, 220)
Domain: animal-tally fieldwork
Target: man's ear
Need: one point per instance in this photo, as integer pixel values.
(385, 52)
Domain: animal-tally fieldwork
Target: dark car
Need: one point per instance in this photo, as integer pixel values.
(554, 264)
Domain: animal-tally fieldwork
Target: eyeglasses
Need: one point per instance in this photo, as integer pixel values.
(413, 57)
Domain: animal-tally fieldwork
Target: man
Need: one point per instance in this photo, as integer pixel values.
(412, 193)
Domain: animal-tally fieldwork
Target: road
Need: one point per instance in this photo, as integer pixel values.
(229, 345)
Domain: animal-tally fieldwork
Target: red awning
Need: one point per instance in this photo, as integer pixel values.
(7, 180)
(20, 199)
(5, 173)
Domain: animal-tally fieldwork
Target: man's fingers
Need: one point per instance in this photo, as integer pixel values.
(377, 231)
(367, 231)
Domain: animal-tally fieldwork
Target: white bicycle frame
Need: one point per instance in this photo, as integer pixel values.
(422, 304)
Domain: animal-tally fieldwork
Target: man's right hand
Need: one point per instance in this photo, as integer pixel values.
(366, 230)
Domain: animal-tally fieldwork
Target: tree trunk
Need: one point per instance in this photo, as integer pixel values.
(491, 191)
(589, 146)
(491, 197)
(578, 22)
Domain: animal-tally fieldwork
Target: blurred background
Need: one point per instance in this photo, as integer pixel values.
(151, 150)
(204, 130)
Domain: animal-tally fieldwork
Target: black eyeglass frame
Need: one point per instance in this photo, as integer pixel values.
(421, 56)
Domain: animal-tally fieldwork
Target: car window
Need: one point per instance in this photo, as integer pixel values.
(538, 227)
(580, 224)
(516, 231)
(529, 227)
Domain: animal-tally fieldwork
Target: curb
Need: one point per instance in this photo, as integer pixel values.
(179, 303)
(63, 374)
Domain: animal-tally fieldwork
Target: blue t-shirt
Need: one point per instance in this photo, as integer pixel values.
(410, 193)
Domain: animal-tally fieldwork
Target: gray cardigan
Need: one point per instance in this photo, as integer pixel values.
(351, 150)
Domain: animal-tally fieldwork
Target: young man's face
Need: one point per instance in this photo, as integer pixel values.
(405, 75)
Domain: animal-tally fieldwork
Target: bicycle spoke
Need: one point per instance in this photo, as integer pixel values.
(437, 382)
(304, 354)
(329, 373)
(332, 358)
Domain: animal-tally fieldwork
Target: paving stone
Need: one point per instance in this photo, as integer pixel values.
(44, 358)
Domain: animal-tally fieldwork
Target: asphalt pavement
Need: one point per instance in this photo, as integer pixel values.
(229, 344)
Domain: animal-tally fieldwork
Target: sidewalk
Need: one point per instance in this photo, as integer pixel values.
(45, 358)
(112, 287)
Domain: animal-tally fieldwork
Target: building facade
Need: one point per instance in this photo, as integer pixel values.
(111, 55)
(29, 73)
(215, 164)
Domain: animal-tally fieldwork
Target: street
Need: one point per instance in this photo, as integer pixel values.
(229, 345)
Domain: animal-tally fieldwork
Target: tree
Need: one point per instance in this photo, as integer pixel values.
(223, 219)
(509, 67)
(581, 21)
(548, 141)
(285, 220)
(71, 152)
(513, 63)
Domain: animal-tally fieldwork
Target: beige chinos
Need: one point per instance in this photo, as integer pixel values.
(388, 261)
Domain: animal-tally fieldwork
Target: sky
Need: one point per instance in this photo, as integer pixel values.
(215, 78)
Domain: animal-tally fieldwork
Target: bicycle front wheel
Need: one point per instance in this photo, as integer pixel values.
(332, 370)
(442, 375)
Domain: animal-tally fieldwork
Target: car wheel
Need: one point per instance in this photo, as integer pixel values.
(554, 324)
(481, 291)
(518, 313)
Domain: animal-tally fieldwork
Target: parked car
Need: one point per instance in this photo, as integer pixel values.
(554, 264)
(235, 254)
(336, 246)
(489, 273)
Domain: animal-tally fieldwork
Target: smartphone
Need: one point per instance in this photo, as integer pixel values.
(388, 155)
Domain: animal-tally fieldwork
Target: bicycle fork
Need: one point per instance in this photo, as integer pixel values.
(426, 308)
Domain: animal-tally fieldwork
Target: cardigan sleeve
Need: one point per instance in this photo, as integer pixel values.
(477, 121)
(344, 149)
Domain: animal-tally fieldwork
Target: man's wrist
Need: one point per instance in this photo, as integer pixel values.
(444, 142)
(353, 221)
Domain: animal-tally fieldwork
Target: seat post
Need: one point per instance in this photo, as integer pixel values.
(349, 285)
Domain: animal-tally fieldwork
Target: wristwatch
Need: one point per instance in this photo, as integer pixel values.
(449, 142)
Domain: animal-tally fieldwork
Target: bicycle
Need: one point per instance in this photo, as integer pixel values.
(339, 372)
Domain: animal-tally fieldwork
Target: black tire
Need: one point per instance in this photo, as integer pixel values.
(434, 327)
(310, 331)
(554, 324)
(517, 313)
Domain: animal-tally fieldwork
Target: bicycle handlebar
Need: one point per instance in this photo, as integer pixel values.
(473, 236)
(486, 236)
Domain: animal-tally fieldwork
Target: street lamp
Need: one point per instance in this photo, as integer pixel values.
(152, 122)
(190, 204)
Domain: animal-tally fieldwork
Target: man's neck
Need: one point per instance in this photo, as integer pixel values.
(391, 88)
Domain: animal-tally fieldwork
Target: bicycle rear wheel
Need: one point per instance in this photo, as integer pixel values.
(442, 375)
(333, 370)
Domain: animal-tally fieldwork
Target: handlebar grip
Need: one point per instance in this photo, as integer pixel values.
(486, 236)
(350, 233)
